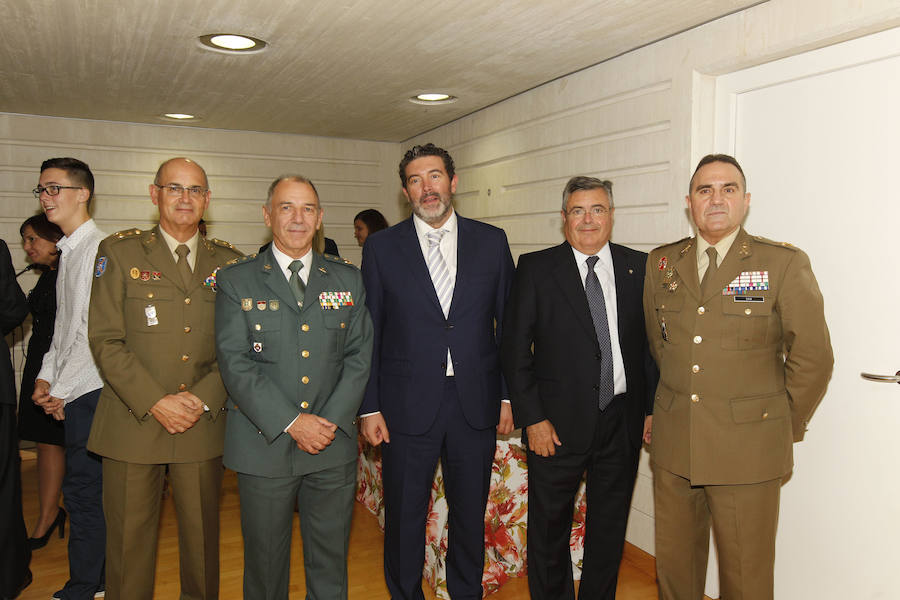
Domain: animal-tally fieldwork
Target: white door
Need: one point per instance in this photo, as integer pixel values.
(818, 136)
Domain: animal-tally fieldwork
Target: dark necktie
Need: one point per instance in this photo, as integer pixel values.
(184, 269)
(710, 274)
(296, 283)
(597, 304)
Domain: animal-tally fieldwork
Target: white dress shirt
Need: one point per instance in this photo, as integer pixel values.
(604, 270)
(69, 366)
(192, 244)
(447, 248)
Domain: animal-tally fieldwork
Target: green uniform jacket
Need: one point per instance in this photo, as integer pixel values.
(278, 361)
(741, 370)
(151, 337)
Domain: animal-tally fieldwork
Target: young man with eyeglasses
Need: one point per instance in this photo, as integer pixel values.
(68, 385)
(163, 402)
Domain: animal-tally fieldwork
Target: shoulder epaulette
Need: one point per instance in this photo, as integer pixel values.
(769, 242)
(338, 259)
(126, 233)
(240, 259)
(223, 244)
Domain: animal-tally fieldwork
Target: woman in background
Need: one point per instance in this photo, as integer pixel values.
(39, 237)
(366, 223)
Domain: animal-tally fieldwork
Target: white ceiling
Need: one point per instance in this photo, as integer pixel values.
(341, 68)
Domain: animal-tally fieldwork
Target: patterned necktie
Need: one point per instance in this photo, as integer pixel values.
(710, 274)
(296, 283)
(437, 267)
(597, 304)
(184, 269)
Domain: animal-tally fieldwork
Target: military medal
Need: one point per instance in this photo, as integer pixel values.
(246, 304)
(673, 286)
(663, 262)
(134, 272)
(747, 281)
(274, 304)
(260, 305)
(145, 275)
(257, 347)
(156, 275)
(150, 313)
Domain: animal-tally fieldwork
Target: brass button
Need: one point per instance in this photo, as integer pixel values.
(304, 380)
(185, 358)
(305, 354)
(695, 398)
(765, 415)
(187, 328)
(187, 300)
(662, 307)
(257, 327)
(747, 311)
(182, 387)
(304, 327)
(700, 310)
(304, 404)
(343, 326)
(697, 339)
(149, 294)
(695, 368)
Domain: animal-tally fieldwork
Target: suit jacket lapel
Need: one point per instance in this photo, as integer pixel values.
(276, 281)
(685, 264)
(317, 282)
(205, 264)
(731, 265)
(568, 278)
(466, 256)
(412, 252)
(160, 258)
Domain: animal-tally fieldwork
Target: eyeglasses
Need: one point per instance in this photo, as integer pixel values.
(596, 211)
(53, 190)
(175, 190)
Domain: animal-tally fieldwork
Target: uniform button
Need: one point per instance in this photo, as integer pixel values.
(747, 311)
(662, 307)
(596, 388)
(700, 310)
(305, 354)
(150, 294)
(182, 387)
(187, 300)
(343, 326)
(304, 404)
(185, 358)
(304, 380)
(304, 327)
(765, 415)
(187, 328)
(695, 398)
(257, 327)
(695, 368)
(697, 339)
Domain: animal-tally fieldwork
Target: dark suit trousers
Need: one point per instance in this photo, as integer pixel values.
(409, 462)
(15, 553)
(611, 465)
(83, 498)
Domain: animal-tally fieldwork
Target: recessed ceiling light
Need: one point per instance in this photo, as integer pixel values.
(433, 98)
(232, 43)
(179, 116)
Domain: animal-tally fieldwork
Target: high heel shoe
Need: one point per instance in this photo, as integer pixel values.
(60, 522)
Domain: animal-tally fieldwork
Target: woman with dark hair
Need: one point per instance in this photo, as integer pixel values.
(366, 223)
(39, 237)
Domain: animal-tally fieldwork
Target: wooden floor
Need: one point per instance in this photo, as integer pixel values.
(50, 567)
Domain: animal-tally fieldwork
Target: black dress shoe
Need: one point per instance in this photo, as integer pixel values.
(60, 521)
(26, 581)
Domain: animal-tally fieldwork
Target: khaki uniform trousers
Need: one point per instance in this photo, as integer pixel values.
(744, 520)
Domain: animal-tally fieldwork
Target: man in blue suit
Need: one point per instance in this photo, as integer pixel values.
(436, 286)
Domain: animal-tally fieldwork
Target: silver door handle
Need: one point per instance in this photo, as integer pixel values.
(883, 378)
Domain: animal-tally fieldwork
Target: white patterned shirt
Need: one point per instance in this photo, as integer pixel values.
(69, 366)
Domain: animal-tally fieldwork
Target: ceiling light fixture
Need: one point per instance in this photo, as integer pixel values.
(433, 98)
(232, 43)
(179, 116)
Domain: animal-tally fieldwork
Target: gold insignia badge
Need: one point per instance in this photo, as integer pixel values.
(267, 267)
(673, 286)
(135, 272)
(246, 304)
(274, 304)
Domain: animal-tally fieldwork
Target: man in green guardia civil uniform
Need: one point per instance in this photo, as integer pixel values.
(736, 324)
(294, 340)
(151, 332)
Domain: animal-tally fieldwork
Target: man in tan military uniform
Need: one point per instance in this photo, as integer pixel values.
(151, 330)
(737, 327)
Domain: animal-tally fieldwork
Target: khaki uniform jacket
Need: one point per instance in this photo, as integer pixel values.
(741, 370)
(151, 337)
(279, 360)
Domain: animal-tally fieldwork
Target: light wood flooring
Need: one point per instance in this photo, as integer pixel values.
(50, 567)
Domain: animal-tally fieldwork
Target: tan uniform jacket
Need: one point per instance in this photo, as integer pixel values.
(741, 370)
(151, 337)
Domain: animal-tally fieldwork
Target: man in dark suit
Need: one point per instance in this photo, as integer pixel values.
(437, 284)
(295, 345)
(581, 380)
(15, 553)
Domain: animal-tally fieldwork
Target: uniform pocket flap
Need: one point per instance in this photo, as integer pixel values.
(664, 397)
(759, 408)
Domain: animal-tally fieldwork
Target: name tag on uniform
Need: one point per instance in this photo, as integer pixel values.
(150, 312)
(749, 299)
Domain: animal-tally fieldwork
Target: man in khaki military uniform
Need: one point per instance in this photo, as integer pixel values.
(737, 326)
(295, 347)
(151, 330)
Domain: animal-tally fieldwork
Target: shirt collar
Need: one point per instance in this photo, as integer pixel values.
(81, 233)
(423, 228)
(604, 256)
(172, 243)
(284, 261)
(722, 246)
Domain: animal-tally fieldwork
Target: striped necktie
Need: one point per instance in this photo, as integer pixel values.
(597, 304)
(437, 267)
